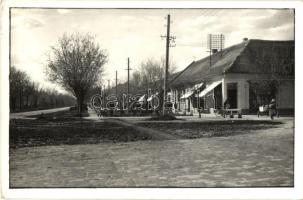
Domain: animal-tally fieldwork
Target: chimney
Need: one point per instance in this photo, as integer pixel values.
(214, 51)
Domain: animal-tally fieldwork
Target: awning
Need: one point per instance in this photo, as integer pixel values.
(192, 91)
(209, 88)
(198, 86)
(187, 94)
(152, 97)
(142, 98)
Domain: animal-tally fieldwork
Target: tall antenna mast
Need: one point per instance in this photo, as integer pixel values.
(215, 43)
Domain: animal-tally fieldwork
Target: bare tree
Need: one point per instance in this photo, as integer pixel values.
(136, 78)
(76, 63)
(26, 94)
(14, 80)
(36, 94)
(18, 81)
(171, 66)
(152, 71)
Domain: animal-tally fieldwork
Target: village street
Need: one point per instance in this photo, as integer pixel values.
(139, 100)
(37, 112)
(260, 158)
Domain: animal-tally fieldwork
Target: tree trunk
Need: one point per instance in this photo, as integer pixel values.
(35, 101)
(20, 100)
(80, 102)
(13, 101)
(26, 101)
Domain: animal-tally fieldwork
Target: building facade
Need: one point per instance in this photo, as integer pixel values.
(245, 76)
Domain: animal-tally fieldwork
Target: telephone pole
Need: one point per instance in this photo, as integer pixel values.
(108, 83)
(168, 39)
(101, 95)
(147, 95)
(116, 83)
(128, 69)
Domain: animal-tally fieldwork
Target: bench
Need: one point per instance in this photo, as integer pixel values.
(231, 112)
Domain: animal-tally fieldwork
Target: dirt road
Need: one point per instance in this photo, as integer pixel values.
(258, 159)
(36, 112)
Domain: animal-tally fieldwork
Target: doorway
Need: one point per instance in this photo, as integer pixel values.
(232, 94)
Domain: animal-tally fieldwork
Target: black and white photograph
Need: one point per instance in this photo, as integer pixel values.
(151, 97)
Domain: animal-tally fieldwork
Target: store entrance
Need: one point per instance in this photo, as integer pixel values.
(232, 94)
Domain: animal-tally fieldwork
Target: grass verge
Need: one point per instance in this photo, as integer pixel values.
(63, 128)
(191, 130)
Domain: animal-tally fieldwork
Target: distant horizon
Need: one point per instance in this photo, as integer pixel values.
(135, 33)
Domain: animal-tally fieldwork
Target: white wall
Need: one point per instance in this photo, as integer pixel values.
(242, 90)
(285, 98)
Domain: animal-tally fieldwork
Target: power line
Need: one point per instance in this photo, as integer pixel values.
(207, 14)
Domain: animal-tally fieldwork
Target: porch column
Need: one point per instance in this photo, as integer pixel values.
(224, 92)
(243, 94)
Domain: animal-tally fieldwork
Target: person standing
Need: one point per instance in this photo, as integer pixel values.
(272, 108)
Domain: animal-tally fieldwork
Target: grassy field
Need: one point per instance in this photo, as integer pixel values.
(63, 128)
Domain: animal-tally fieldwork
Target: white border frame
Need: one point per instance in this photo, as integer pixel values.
(150, 193)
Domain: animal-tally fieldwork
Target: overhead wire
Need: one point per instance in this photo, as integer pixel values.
(208, 13)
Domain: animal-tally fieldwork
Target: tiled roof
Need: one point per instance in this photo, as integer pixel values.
(245, 57)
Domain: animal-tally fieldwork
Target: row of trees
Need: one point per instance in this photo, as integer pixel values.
(28, 95)
(76, 63)
(150, 74)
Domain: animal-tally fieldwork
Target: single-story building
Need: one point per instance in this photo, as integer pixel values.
(246, 75)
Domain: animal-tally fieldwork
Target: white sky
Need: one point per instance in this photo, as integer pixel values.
(135, 33)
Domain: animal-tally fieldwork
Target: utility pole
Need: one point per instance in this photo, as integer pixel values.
(116, 83)
(147, 95)
(128, 69)
(104, 95)
(108, 83)
(101, 96)
(100, 90)
(168, 39)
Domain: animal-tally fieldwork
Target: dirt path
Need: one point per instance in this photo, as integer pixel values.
(36, 112)
(155, 134)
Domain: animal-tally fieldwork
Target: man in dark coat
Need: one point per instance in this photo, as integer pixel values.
(272, 108)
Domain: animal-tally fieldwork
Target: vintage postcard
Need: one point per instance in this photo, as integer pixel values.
(143, 100)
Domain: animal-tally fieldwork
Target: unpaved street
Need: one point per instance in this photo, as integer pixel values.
(260, 158)
(36, 112)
